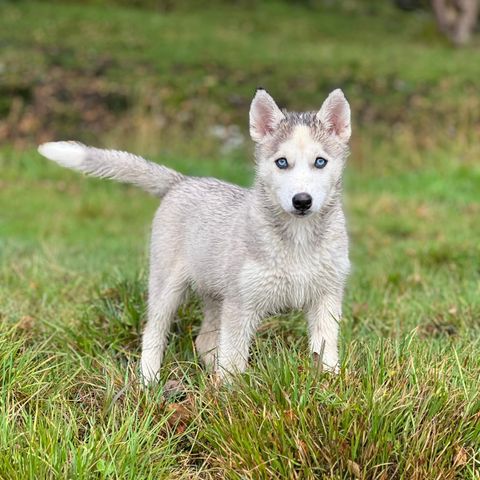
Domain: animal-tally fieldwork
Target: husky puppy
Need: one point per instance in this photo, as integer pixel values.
(249, 253)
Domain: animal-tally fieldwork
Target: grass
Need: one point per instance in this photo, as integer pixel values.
(73, 251)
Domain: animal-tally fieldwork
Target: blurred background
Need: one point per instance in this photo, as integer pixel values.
(164, 76)
(173, 80)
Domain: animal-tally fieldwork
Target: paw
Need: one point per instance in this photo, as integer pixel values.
(206, 346)
(325, 364)
(228, 369)
(223, 376)
(209, 359)
(150, 369)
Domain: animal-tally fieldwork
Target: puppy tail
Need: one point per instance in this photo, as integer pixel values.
(121, 166)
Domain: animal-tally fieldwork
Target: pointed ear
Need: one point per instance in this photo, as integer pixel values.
(264, 115)
(335, 115)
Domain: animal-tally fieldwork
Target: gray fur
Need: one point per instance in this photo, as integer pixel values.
(245, 254)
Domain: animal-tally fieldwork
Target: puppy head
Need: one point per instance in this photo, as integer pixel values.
(300, 156)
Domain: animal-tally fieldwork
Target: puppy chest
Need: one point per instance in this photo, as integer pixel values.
(274, 288)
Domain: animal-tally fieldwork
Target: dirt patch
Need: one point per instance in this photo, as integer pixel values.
(60, 103)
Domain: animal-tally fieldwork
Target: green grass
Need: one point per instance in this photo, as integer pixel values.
(73, 251)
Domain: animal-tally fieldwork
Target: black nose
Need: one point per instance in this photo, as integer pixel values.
(302, 201)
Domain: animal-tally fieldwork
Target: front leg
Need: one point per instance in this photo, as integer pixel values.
(237, 326)
(323, 323)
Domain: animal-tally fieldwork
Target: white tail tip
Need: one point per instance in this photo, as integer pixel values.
(67, 154)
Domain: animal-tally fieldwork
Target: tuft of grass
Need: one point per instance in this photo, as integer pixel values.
(383, 416)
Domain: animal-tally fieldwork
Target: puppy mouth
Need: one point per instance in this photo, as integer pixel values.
(301, 213)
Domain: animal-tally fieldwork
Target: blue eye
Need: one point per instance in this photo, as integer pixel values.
(281, 163)
(320, 162)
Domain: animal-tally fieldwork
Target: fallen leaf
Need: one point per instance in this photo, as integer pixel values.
(461, 457)
(453, 310)
(302, 449)
(26, 322)
(180, 416)
(354, 468)
(290, 415)
(173, 388)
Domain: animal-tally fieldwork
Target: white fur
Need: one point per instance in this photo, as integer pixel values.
(301, 150)
(247, 252)
(335, 115)
(264, 115)
(66, 154)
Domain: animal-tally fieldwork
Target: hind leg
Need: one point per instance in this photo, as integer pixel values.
(206, 342)
(166, 291)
